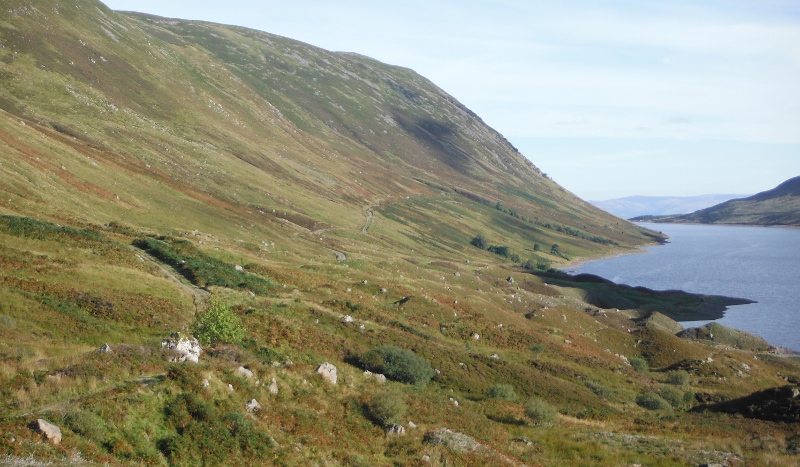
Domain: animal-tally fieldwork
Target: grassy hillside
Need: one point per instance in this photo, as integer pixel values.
(163, 176)
(778, 206)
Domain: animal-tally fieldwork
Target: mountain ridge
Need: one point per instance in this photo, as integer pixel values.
(633, 206)
(774, 207)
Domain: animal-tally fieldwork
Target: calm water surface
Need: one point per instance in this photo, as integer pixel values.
(759, 263)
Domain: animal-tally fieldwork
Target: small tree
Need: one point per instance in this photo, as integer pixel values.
(554, 250)
(387, 407)
(540, 412)
(218, 324)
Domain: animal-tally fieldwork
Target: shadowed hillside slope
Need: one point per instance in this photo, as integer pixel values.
(298, 210)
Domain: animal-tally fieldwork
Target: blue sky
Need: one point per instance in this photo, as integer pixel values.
(610, 98)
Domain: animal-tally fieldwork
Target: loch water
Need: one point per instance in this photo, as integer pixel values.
(757, 263)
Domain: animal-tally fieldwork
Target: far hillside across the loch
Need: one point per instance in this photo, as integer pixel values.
(779, 206)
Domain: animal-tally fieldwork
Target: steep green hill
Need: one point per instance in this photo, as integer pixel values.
(778, 206)
(291, 206)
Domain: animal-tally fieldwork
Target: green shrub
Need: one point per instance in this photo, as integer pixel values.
(479, 242)
(639, 364)
(502, 391)
(678, 378)
(503, 251)
(652, 401)
(677, 399)
(218, 324)
(387, 407)
(540, 412)
(397, 364)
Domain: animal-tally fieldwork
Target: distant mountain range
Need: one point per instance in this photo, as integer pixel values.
(633, 206)
(778, 206)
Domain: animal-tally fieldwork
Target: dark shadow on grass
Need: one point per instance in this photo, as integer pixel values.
(676, 304)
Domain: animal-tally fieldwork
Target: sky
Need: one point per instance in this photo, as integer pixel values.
(611, 98)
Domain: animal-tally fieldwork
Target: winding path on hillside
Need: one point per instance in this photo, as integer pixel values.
(340, 256)
(198, 295)
(370, 217)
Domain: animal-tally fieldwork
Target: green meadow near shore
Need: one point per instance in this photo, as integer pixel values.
(370, 271)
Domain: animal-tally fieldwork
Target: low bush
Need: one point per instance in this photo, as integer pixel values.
(502, 391)
(397, 364)
(540, 412)
(678, 399)
(639, 364)
(387, 408)
(652, 401)
(479, 242)
(678, 378)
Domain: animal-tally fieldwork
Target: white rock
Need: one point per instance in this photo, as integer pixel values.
(187, 349)
(745, 367)
(396, 430)
(384, 290)
(50, 431)
(476, 336)
(381, 378)
(273, 387)
(244, 372)
(412, 425)
(206, 384)
(230, 388)
(238, 268)
(328, 372)
(495, 356)
(253, 406)
(105, 349)
(347, 319)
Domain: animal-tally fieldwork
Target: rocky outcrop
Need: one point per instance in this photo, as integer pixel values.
(396, 430)
(452, 440)
(244, 372)
(51, 432)
(253, 406)
(182, 348)
(328, 372)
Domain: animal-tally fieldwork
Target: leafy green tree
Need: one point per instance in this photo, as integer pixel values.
(218, 324)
